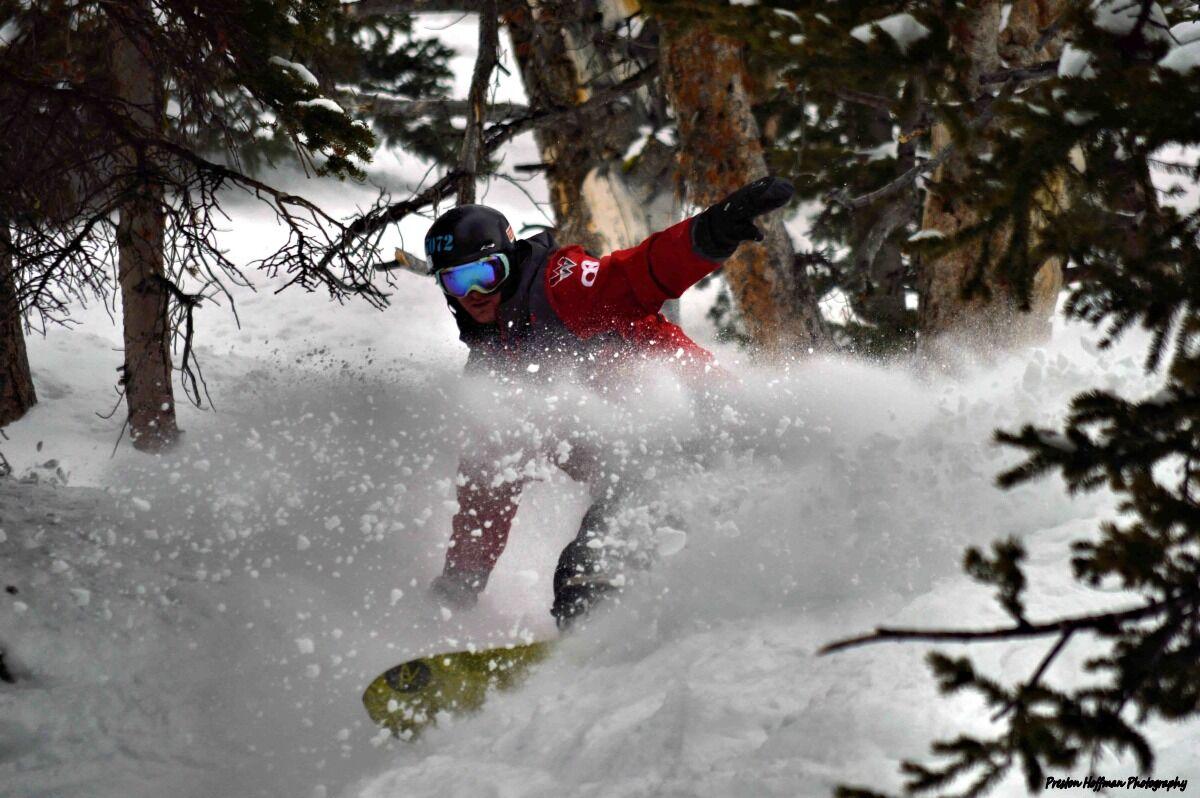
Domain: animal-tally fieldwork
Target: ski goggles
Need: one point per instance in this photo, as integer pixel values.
(482, 276)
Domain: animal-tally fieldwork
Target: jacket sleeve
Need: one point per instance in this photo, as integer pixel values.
(593, 295)
(657, 336)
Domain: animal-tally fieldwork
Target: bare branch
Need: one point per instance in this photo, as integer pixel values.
(385, 8)
(1101, 621)
(542, 117)
(863, 98)
(404, 261)
(1043, 70)
(900, 183)
(377, 219)
(983, 119)
(380, 105)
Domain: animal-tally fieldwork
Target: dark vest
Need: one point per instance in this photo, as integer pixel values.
(528, 331)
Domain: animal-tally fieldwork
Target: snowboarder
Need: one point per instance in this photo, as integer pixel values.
(530, 302)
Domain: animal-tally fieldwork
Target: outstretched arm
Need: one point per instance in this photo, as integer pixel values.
(593, 295)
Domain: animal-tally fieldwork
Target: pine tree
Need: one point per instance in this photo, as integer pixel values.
(839, 127)
(862, 99)
(17, 393)
(373, 64)
(590, 82)
(110, 107)
(721, 150)
(1121, 100)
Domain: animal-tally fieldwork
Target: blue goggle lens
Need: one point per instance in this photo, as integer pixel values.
(483, 276)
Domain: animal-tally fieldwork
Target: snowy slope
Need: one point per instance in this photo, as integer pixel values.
(251, 583)
(205, 625)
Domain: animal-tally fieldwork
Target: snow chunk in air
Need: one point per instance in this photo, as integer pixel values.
(903, 28)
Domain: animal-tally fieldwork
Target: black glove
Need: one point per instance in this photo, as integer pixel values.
(717, 231)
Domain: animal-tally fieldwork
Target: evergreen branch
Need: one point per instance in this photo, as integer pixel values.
(377, 219)
(241, 179)
(1101, 621)
(1051, 655)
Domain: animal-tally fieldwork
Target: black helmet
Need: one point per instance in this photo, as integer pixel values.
(466, 232)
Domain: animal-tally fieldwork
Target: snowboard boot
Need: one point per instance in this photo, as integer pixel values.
(457, 590)
(580, 583)
(577, 599)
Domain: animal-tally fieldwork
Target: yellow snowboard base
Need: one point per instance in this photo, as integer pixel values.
(410, 696)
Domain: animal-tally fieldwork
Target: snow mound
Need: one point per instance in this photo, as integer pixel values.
(299, 70)
(1183, 59)
(842, 498)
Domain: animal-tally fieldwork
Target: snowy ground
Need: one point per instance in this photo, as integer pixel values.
(207, 630)
(206, 625)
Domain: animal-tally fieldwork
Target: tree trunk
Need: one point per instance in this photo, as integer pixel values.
(963, 294)
(144, 296)
(552, 81)
(16, 383)
(720, 150)
(876, 259)
(598, 199)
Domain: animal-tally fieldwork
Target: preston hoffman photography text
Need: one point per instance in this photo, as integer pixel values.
(1098, 783)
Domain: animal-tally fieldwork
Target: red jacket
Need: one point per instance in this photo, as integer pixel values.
(567, 300)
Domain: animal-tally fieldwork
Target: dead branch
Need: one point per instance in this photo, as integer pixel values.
(547, 116)
(375, 220)
(381, 105)
(385, 8)
(1105, 621)
(1044, 69)
(863, 98)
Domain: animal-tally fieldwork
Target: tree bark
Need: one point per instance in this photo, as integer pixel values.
(555, 52)
(877, 260)
(485, 62)
(720, 150)
(147, 368)
(16, 383)
(965, 294)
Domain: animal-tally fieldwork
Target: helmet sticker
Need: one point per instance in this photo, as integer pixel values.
(511, 237)
(435, 244)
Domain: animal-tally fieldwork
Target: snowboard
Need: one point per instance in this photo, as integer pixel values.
(409, 697)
